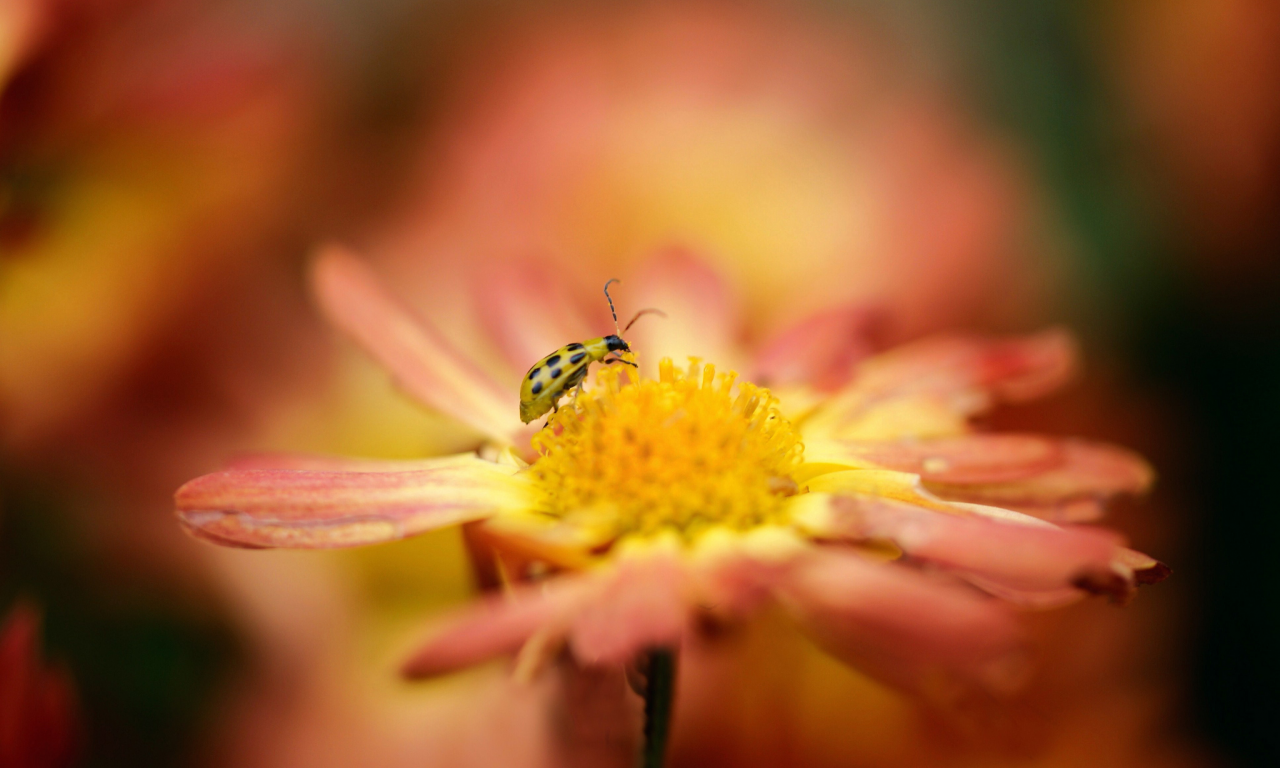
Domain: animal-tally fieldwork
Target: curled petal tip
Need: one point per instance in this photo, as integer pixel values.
(1153, 574)
(1129, 570)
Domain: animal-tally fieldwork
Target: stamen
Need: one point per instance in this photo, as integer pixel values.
(688, 452)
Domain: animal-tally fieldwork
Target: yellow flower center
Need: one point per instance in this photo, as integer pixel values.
(687, 452)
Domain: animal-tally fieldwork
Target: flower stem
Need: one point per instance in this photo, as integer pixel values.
(659, 691)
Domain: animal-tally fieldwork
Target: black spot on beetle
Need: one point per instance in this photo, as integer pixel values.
(574, 346)
(537, 388)
(577, 358)
(553, 360)
(534, 374)
(555, 373)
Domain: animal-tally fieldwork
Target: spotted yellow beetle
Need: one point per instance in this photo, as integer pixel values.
(557, 373)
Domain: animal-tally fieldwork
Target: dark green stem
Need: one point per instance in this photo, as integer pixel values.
(659, 691)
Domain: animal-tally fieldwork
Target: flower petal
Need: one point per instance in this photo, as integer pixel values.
(1026, 557)
(967, 459)
(328, 463)
(639, 604)
(309, 509)
(894, 622)
(530, 313)
(495, 626)
(1088, 471)
(1146, 569)
(1130, 569)
(701, 319)
(1034, 599)
(423, 362)
(821, 350)
(930, 388)
(734, 572)
(902, 486)
(608, 617)
(1065, 511)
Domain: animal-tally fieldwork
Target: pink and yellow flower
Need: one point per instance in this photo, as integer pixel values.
(143, 168)
(870, 509)
(807, 154)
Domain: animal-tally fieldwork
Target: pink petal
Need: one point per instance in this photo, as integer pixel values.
(978, 458)
(1064, 511)
(1129, 570)
(701, 319)
(1014, 369)
(495, 626)
(422, 361)
(1146, 569)
(1024, 557)
(307, 509)
(327, 463)
(891, 621)
(959, 375)
(640, 604)
(736, 585)
(609, 616)
(530, 313)
(1088, 471)
(1020, 369)
(1035, 599)
(820, 350)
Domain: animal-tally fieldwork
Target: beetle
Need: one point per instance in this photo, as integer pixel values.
(557, 373)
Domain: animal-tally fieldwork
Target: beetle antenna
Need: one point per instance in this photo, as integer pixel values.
(610, 298)
(649, 311)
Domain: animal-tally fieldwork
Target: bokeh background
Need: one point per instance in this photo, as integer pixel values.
(167, 169)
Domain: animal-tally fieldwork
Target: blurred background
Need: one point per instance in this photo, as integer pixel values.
(167, 168)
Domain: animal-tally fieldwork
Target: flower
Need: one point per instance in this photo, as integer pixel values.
(38, 717)
(150, 128)
(806, 152)
(651, 505)
(20, 24)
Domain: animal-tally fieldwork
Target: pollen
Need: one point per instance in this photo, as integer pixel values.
(690, 451)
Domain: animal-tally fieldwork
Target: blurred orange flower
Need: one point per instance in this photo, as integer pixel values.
(146, 162)
(807, 156)
(20, 23)
(663, 502)
(39, 724)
